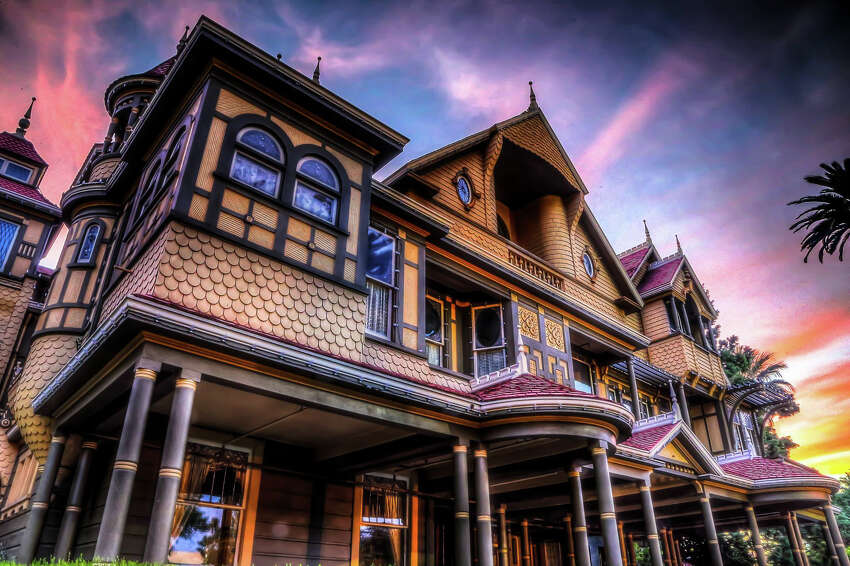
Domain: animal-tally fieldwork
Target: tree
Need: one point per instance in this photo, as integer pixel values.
(774, 446)
(744, 363)
(827, 222)
(841, 505)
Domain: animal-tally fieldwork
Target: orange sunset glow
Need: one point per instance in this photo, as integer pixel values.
(705, 134)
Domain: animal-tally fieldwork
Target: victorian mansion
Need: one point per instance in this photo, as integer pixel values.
(253, 352)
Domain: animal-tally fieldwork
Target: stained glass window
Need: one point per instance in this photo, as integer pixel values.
(86, 253)
(8, 233)
(262, 142)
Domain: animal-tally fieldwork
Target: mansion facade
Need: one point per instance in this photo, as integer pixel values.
(253, 352)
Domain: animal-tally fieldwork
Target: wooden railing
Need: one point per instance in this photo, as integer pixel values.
(536, 270)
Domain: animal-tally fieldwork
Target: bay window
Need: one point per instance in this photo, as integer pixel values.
(434, 330)
(488, 342)
(583, 376)
(383, 522)
(210, 506)
(380, 281)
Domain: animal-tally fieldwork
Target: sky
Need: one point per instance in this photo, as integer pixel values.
(702, 119)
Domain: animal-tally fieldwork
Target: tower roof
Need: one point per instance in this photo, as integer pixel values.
(20, 147)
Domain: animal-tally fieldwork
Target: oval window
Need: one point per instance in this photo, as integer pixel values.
(589, 268)
(464, 190)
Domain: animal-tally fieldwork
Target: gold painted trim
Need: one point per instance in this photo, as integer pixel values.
(89, 445)
(652, 537)
(595, 451)
(461, 515)
(484, 518)
(73, 509)
(573, 474)
(458, 448)
(145, 373)
(480, 454)
(39, 505)
(187, 383)
(125, 465)
(171, 473)
(607, 515)
(58, 440)
(579, 529)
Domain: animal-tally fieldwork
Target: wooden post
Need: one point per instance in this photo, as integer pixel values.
(649, 524)
(830, 544)
(630, 365)
(792, 538)
(754, 530)
(607, 516)
(482, 505)
(504, 558)
(73, 508)
(667, 555)
(710, 531)
(41, 501)
(463, 554)
(582, 548)
(569, 542)
(623, 552)
(526, 544)
(124, 468)
(801, 542)
(836, 534)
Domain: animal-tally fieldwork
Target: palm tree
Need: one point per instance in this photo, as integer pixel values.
(827, 222)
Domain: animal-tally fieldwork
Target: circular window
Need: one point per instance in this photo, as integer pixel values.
(464, 191)
(589, 268)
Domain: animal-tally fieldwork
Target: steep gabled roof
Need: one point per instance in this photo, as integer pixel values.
(27, 192)
(20, 147)
(525, 386)
(522, 129)
(660, 275)
(632, 261)
(651, 441)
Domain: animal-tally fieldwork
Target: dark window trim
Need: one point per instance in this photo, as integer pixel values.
(91, 263)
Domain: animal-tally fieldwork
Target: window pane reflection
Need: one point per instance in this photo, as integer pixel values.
(315, 203)
(203, 535)
(252, 173)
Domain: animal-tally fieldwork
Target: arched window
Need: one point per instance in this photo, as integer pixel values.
(85, 252)
(317, 189)
(257, 161)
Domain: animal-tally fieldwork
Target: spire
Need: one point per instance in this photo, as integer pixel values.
(316, 71)
(646, 231)
(532, 98)
(674, 403)
(24, 122)
(678, 245)
(182, 43)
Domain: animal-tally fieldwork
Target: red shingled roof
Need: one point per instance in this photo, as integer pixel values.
(766, 468)
(632, 260)
(648, 439)
(526, 385)
(162, 69)
(26, 191)
(660, 275)
(20, 147)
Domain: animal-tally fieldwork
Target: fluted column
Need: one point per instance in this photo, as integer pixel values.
(504, 558)
(605, 500)
(73, 508)
(569, 543)
(41, 501)
(171, 468)
(526, 544)
(580, 528)
(124, 469)
(801, 542)
(463, 549)
(836, 535)
(754, 530)
(792, 539)
(830, 544)
(710, 531)
(482, 506)
(650, 525)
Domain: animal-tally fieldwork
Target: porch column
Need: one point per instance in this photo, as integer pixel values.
(482, 505)
(623, 554)
(503, 536)
(73, 509)
(526, 544)
(605, 496)
(630, 550)
(801, 542)
(649, 524)
(792, 538)
(754, 531)
(678, 552)
(630, 364)
(710, 531)
(569, 543)
(41, 501)
(580, 529)
(836, 534)
(830, 544)
(126, 462)
(171, 468)
(683, 403)
(463, 549)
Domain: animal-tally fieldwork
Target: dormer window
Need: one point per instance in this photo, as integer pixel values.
(317, 189)
(258, 161)
(87, 244)
(15, 171)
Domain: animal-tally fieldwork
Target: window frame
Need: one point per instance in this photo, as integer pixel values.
(4, 166)
(7, 257)
(392, 288)
(405, 528)
(262, 159)
(317, 186)
(590, 375)
(91, 261)
(593, 271)
(474, 338)
(441, 345)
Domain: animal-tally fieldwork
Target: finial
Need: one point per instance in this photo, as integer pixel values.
(279, 56)
(316, 71)
(532, 98)
(678, 245)
(182, 43)
(646, 231)
(24, 122)
(674, 403)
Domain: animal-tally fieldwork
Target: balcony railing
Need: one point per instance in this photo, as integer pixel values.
(740, 454)
(655, 420)
(536, 269)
